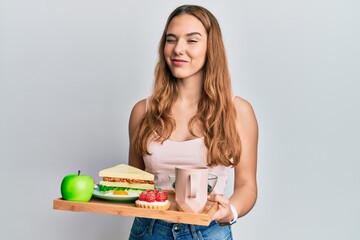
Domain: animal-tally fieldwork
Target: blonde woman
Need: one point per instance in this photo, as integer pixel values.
(192, 117)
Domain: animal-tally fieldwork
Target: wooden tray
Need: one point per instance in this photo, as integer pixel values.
(129, 209)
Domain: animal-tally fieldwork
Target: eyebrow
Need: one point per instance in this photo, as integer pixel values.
(188, 34)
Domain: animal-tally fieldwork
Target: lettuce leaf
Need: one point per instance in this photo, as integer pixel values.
(103, 188)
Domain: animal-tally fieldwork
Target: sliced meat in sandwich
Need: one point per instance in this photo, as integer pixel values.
(126, 178)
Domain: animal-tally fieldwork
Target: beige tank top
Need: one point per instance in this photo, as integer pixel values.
(165, 157)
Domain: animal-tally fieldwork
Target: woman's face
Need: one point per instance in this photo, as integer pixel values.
(185, 47)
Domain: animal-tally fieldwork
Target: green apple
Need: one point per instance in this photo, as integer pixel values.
(76, 187)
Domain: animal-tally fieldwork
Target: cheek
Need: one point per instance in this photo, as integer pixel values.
(167, 54)
(204, 52)
(167, 50)
(200, 56)
(199, 53)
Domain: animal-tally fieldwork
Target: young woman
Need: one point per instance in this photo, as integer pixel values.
(192, 117)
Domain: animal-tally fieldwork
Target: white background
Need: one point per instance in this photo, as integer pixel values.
(70, 72)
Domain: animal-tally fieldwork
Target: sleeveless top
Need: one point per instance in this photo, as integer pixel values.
(166, 156)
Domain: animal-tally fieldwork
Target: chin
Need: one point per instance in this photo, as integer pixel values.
(181, 74)
(178, 76)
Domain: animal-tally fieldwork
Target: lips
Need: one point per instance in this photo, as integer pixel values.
(178, 62)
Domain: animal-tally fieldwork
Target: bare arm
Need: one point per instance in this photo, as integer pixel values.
(245, 186)
(137, 114)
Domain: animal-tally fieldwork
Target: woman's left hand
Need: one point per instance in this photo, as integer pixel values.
(223, 214)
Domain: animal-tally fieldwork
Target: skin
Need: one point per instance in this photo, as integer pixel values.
(185, 54)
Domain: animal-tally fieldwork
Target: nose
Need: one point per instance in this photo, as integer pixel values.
(179, 48)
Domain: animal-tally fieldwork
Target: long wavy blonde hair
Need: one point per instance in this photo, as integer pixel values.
(216, 111)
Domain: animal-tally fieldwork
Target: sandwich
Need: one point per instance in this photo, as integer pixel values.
(126, 178)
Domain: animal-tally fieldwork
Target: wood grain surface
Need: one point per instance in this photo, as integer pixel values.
(96, 205)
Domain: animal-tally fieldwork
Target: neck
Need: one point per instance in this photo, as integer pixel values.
(190, 89)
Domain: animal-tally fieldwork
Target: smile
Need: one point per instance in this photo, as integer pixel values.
(178, 62)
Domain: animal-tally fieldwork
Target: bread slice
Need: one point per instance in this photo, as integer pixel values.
(127, 178)
(126, 171)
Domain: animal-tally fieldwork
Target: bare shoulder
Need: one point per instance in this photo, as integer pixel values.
(243, 107)
(246, 119)
(137, 113)
(139, 107)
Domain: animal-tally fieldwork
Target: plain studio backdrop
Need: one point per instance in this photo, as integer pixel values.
(70, 72)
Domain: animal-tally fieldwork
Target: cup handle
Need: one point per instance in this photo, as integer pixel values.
(193, 184)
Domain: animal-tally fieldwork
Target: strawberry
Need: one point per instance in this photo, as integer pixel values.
(150, 196)
(142, 196)
(161, 196)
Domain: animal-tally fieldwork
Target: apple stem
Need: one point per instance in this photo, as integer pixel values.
(78, 172)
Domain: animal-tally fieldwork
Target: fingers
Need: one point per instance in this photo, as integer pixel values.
(218, 198)
(216, 216)
(221, 213)
(223, 207)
